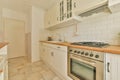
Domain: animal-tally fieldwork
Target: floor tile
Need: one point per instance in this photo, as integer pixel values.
(21, 69)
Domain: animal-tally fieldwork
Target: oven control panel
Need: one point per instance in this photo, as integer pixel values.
(87, 53)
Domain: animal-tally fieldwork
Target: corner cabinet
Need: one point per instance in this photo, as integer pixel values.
(112, 67)
(61, 15)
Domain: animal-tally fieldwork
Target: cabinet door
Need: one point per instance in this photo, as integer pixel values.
(63, 10)
(112, 67)
(43, 53)
(69, 8)
(47, 19)
(55, 14)
(119, 67)
(60, 63)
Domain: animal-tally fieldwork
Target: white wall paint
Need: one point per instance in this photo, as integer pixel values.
(1, 26)
(8, 13)
(104, 27)
(37, 24)
(15, 15)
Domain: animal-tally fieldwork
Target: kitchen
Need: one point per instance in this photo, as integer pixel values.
(74, 43)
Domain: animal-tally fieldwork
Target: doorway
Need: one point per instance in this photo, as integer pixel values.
(15, 35)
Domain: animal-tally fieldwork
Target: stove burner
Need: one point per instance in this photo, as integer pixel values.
(91, 44)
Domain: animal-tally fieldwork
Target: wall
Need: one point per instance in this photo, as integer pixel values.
(8, 13)
(103, 27)
(37, 24)
(15, 15)
(1, 27)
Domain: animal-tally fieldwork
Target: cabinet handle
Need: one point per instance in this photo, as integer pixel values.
(52, 54)
(58, 47)
(108, 67)
(74, 4)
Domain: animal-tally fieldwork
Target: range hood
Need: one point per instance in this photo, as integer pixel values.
(103, 6)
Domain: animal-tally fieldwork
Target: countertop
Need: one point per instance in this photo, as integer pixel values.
(2, 44)
(114, 49)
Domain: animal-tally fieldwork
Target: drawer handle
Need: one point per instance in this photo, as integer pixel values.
(58, 47)
(52, 53)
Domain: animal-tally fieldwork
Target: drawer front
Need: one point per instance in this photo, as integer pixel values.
(59, 47)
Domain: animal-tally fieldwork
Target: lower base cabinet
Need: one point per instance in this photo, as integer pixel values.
(112, 67)
(56, 57)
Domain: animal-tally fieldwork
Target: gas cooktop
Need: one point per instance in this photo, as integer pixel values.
(91, 44)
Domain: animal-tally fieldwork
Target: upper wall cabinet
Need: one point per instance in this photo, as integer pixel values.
(61, 15)
(69, 12)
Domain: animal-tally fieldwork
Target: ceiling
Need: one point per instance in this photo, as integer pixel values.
(24, 5)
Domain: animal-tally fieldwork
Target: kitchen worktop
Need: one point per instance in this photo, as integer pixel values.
(115, 49)
(2, 44)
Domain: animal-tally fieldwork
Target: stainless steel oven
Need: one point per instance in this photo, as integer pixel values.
(85, 64)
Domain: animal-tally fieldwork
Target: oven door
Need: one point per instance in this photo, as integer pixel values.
(81, 68)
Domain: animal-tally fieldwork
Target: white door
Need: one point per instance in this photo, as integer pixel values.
(15, 35)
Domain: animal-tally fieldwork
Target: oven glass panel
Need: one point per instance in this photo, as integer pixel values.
(82, 71)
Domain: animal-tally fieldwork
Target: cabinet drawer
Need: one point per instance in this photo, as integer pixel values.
(63, 48)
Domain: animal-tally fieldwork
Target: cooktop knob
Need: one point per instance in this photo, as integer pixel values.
(97, 56)
(91, 55)
(82, 52)
(86, 53)
(75, 51)
(70, 50)
(78, 52)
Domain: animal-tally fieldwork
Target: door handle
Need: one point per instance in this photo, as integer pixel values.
(108, 67)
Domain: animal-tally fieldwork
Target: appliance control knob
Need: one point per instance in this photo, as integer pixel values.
(78, 52)
(86, 53)
(75, 51)
(82, 52)
(70, 50)
(91, 55)
(97, 56)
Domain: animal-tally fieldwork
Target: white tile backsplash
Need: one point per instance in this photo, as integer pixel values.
(103, 27)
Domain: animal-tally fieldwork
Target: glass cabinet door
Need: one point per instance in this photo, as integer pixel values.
(69, 8)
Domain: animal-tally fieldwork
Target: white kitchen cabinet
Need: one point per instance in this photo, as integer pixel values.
(112, 67)
(60, 61)
(61, 15)
(48, 18)
(55, 56)
(44, 53)
(3, 64)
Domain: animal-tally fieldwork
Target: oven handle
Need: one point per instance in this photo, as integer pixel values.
(92, 63)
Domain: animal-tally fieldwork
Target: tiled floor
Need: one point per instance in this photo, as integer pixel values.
(20, 69)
